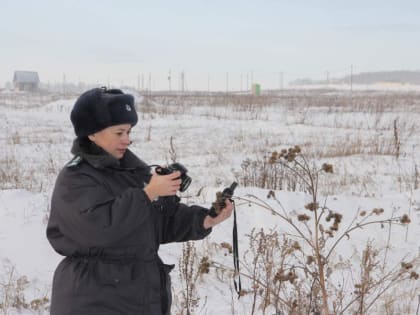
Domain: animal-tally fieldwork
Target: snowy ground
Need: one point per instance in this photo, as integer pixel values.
(360, 134)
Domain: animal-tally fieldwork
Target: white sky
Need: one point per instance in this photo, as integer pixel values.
(118, 42)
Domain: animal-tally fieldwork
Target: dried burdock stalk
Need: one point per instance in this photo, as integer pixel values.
(311, 249)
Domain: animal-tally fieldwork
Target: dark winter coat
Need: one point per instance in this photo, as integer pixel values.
(109, 232)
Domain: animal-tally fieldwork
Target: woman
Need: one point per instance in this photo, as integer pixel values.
(109, 215)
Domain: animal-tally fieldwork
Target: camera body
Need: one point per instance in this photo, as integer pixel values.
(185, 179)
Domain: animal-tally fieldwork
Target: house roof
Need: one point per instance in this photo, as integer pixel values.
(26, 77)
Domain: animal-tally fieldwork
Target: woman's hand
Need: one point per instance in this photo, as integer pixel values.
(163, 185)
(224, 214)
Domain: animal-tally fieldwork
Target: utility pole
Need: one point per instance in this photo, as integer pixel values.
(64, 83)
(227, 82)
(150, 84)
(182, 81)
(351, 79)
(169, 80)
(281, 80)
(208, 83)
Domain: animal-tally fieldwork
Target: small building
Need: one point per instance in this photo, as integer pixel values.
(26, 81)
(256, 89)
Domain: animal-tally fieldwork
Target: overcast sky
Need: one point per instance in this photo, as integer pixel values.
(212, 41)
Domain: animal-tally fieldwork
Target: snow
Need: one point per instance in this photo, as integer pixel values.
(212, 141)
(23, 218)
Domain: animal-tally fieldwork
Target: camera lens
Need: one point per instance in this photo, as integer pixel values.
(185, 179)
(185, 182)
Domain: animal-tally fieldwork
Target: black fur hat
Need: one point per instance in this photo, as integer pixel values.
(100, 108)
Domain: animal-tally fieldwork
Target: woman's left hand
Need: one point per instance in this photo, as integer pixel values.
(224, 214)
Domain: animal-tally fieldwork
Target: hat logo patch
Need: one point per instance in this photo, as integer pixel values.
(128, 108)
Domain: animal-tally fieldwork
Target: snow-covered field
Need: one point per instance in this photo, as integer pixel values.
(372, 139)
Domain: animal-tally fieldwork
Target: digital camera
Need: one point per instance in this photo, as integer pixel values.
(185, 179)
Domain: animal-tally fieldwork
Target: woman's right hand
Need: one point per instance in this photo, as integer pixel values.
(163, 185)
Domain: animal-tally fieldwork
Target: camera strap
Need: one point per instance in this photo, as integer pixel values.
(237, 275)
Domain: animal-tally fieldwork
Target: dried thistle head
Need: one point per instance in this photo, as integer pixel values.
(273, 158)
(290, 157)
(405, 219)
(296, 245)
(227, 246)
(337, 217)
(334, 227)
(329, 216)
(310, 259)
(312, 206)
(337, 220)
(204, 266)
(362, 213)
(289, 154)
(414, 275)
(327, 168)
(280, 276)
(303, 217)
(357, 288)
(271, 194)
(406, 266)
(378, 211)
(292, 276)
(217, 205)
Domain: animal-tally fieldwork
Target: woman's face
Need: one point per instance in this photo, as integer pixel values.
(114, 140)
